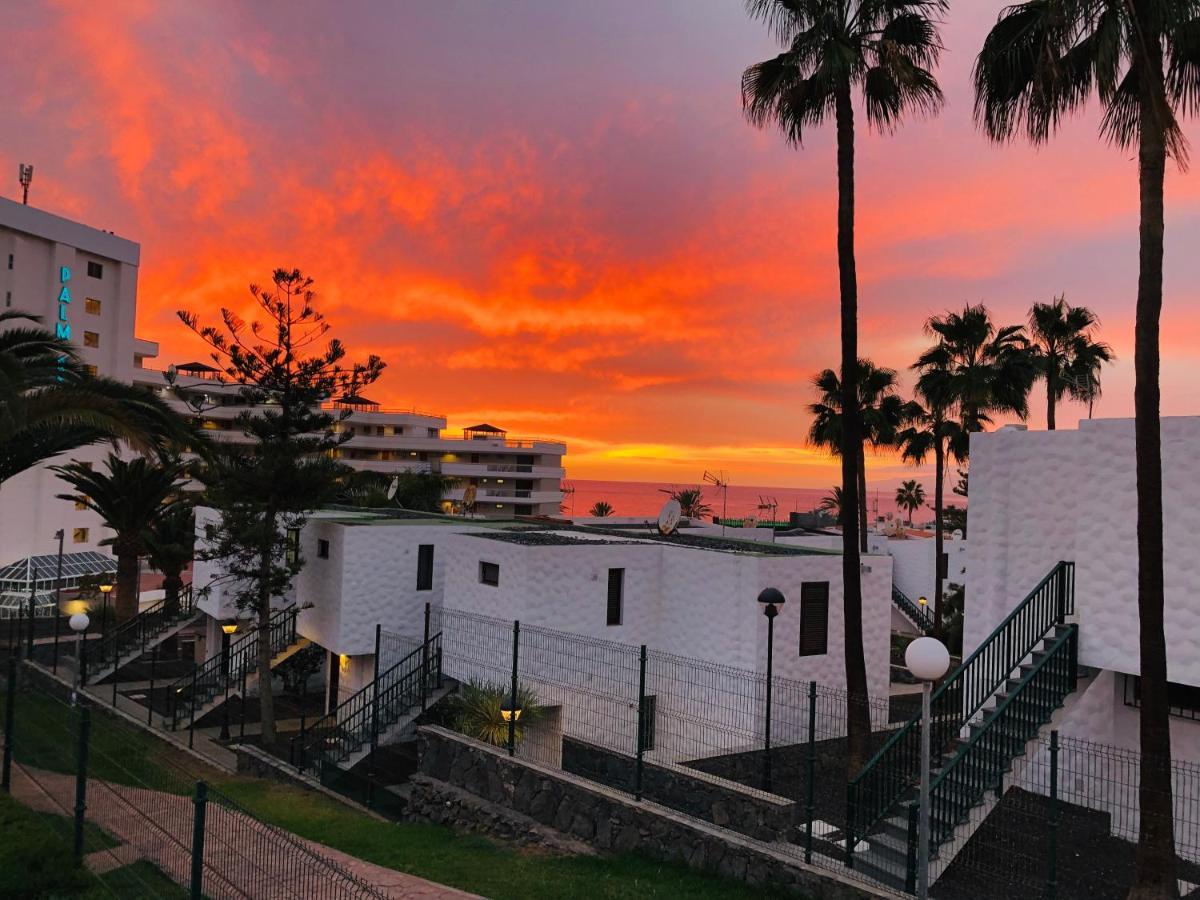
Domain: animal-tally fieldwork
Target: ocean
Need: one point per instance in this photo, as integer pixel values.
(645, 498)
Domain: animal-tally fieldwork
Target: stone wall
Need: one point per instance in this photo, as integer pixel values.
(601, 817)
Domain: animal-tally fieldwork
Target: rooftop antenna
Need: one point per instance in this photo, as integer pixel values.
(25, 174)
(770, 504)
(568, 490)
(718, 481)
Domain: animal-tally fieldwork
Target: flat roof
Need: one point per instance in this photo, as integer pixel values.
(47, 226)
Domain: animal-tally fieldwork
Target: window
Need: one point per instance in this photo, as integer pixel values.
(425, 567)
(10, 260)
(433, 432)
(91, 370)
(91, 339)
(322, 548)
(616, 594)
(292, 553)
(92, 306)
(489, 573)
(646, 722)
(80, 506)
(944, 565)
(814, 618)
(523, 509)
(1183, 700)
(79, 535)
(95, 270)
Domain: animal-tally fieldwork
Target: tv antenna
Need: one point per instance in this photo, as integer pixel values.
(568, 490)
(769, 504)
(25, 174)
(718, 481)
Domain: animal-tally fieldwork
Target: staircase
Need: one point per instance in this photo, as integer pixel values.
(138, 636)
(378, 713)
(983, 716)
(211, 682)
(920, 616)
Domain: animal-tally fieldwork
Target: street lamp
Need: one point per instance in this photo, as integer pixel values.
(228, 629)
(510, 712)
(79, 624)
(105, 590)
(771, 599)
(928, 659)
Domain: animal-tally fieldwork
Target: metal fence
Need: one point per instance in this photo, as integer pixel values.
(145, 824)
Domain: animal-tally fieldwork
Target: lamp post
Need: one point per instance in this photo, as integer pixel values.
(79, 624)
(771, 599)
(228, 629)
(928, 659)
(105, 590)
(509, 712)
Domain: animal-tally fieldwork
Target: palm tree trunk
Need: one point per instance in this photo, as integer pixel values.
(858, 714)
(939, 481)
(862, 499)
(1155, 858)
(1050, 386)
(125, 606)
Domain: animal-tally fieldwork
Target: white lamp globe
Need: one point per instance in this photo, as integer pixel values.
(927, 658)
(79, 622)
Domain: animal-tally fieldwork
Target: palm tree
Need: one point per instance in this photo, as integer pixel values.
(1066, 355)
(911, 496)
(832, 503)
(1039, 62)
(49, 404)
(601, 509)
(882, 414)
(129, 496)
(170, 540)
(690, 500)
(885, 50)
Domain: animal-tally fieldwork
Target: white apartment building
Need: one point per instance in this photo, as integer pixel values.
(82, 282)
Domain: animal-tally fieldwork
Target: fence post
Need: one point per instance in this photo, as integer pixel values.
(425, 662)
(512, 709)
(57, 621)
(114, 678)
(85, 727)
(641, 724)
(201, 804)
(150, 693)
(32, 619)
(910, 873)
(812, 769)
(192, 706)
(242, 706)
(375, 715)
(1052, 845)
(849, 826)
(9, 719)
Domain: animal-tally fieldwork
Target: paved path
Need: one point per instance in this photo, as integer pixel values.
(243, 857)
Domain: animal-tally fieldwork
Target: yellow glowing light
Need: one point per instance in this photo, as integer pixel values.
(106, 589)
(343, 662)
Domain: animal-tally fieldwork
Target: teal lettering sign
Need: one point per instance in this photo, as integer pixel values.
(62, 328)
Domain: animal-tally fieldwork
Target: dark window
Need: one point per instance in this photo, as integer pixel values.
(292, 554)
(523, 509)
(95, 270)
(322, 548)
(616, 595)
(10, 260)
(944, 565)
(425, 567)
(489, 573)
(814, 618)
(1183, 700)
(646, 721)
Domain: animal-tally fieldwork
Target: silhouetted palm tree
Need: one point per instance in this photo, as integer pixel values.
(1041, 61)
(1067, 356)
(910, 496)
(833, 504)
(885, 50)
(601, 509)
(170, 541)
(690, 500)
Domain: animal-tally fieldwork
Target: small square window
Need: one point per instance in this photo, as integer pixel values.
(322, 548)
(92, 306)
(79, 535)
(95, 270)
(91, 370)
(489, 573)
(91, 339)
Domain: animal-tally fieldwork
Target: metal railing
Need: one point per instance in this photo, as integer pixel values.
(889, 776)
(140, 631)
(359, 720)
(917, 614)
(219, 672)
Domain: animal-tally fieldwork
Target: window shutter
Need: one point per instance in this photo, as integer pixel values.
(425, 567)
(616, 590)
(814, 618)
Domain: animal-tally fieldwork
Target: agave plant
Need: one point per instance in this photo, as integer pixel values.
(477, 711)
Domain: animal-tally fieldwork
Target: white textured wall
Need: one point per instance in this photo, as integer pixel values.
(915, 564)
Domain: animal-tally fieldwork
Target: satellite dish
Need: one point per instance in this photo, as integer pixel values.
(668, 517)
(393, 487)
(957, 534)
(750, 522)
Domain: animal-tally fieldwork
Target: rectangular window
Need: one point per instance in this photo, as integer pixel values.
(91, 370)
(646, 722)
(1183, 700)
(425, 567)
(814, 618)
(92, 306)
(10, 260)
(91, 339)
(944, 565)
(95, 270)
(433, 432)
(489, 573)
(616, 595)
(322, 548)
(79, 535)
(292, 553)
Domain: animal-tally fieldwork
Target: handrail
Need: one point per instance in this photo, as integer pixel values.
(892, 771)
(225, 667)
(919, 615)
(1030, 706)
(146, 625)
(352, 722)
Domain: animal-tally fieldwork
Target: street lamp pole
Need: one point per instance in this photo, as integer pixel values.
(928, 659)
(79, 624)
(771, 599)
(227, 630)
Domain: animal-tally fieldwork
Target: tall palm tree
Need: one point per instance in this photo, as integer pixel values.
(1066, 354)
(834, 504)
(601, 509)
(1040, 62)
(881, 411)
(170, 540)
(910, 496)
(884, 50)
(49, 404)
(128, 496)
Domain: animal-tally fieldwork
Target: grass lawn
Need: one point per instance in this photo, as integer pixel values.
(120, 753)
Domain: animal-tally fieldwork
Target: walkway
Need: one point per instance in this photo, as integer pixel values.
(242, 856)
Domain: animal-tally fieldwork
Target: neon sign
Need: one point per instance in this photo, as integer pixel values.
(62, 328)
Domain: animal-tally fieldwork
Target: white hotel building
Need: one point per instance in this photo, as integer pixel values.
(82, 282)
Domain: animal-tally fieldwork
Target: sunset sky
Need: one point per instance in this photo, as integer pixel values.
(552, 215)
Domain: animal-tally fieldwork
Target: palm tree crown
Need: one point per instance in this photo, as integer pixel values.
(910, 496)
(1065, 353)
